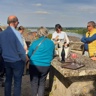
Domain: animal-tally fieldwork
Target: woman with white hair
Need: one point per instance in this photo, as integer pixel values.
(41, 53)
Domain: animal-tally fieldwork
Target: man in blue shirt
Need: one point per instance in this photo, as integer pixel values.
(89, 40)
(13, 53)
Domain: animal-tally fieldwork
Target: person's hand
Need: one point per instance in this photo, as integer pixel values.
(27, 59)
(56, 42)
(93, 58)
(65, 45)
(56, 38)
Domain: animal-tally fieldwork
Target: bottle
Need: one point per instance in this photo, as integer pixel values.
(58, 43)
(63, 54)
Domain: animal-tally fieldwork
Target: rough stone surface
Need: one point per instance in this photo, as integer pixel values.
(67, 82)
(74, 39)
(89, 69)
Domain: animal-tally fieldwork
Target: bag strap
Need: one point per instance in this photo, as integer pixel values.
(38, 46)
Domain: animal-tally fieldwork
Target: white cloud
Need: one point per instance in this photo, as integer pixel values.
(38, 4)
(42, 12)
(88, 9)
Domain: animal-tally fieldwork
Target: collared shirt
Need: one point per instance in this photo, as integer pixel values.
(11, 45)
(19, 36)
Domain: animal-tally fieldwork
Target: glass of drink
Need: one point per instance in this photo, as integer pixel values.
(73, 57)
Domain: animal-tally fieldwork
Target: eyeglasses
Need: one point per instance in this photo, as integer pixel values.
(18, 22)
(88, 26)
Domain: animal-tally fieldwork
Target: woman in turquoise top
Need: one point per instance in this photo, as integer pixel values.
(40, 61)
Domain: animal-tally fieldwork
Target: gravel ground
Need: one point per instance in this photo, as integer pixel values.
(26, 87)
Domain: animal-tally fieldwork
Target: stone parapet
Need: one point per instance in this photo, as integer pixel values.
(89, 69)
(67, 82)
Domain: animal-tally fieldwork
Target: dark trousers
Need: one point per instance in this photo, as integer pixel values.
(14, 70)
(38, 76)
(1, 65)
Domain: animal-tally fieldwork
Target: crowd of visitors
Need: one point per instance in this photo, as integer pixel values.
(14, 54)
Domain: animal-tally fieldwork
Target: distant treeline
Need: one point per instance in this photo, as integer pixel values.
(79, 30)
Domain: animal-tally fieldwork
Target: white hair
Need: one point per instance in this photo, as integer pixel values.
(42, 31)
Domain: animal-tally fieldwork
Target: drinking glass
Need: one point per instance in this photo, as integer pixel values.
(73, 57)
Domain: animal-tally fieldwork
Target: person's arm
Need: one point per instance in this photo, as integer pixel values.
(25, 47)
(20, 50)
(90, 39)
(30, 50)
(55, 39)
(66, 39)
(93, 58)
(83, 39)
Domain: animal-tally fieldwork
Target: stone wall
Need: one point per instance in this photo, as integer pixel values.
(67, 82)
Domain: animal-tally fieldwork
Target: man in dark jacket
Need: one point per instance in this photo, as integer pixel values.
(13, 53)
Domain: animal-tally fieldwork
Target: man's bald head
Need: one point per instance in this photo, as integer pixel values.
(12, 19)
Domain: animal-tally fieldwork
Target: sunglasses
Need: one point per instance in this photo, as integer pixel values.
(88, 26)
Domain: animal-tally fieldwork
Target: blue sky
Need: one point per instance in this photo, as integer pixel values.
(36, 13)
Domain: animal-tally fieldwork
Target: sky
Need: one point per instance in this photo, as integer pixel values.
(36, 13)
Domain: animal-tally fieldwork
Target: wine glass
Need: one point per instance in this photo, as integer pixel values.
(73, 57)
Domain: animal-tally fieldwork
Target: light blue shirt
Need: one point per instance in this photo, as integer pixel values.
(19, 36)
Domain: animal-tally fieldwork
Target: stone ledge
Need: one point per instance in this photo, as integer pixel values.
(89, 69)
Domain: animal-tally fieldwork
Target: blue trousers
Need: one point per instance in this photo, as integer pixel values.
(14, 70)
(1, 64)
(38, 76)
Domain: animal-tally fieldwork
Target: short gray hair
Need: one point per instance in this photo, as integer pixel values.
(92, 23)
(42, 31)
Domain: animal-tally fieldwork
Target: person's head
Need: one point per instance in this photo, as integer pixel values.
(58, 28)
(21, 29)
(12, 21)
(42, 31)
(91, 25)
(1, 29)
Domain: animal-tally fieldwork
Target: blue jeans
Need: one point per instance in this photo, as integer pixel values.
(14, 70)
(1, 64)
(38, 76)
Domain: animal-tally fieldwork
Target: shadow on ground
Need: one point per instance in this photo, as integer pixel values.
(26, 87)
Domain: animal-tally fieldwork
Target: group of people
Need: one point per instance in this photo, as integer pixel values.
(15, 54)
